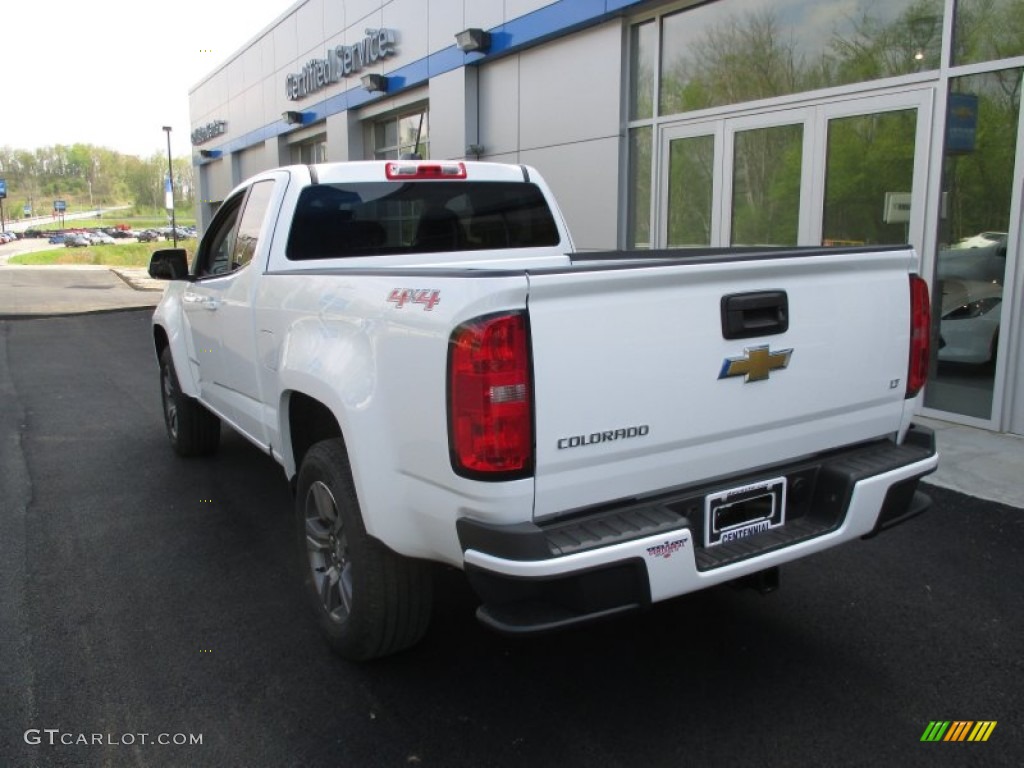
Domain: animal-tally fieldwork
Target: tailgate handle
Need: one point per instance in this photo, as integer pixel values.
(761, 313)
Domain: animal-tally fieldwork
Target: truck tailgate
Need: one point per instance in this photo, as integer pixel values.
(637, 389)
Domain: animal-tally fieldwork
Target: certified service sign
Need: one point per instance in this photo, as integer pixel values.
(341, 61)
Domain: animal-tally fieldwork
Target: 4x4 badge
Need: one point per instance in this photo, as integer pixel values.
(756, 364)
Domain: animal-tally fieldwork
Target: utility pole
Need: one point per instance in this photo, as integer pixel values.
(170, 183)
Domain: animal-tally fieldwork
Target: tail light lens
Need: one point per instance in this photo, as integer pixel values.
(920, 335)
(490, 398)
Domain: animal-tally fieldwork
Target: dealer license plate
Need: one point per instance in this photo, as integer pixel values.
(746, 511)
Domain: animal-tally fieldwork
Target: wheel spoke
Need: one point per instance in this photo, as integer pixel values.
(345, 589)
(318, 535)
(170, 408)
(329, 589)
(324, 503)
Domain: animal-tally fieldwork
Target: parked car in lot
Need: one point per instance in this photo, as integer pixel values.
(77, 241)
(149, 236)
(101, 238)
(120, 234)
(969, 324)
(57, 239)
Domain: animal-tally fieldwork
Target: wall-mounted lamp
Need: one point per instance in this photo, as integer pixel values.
(209, 154)
(473, 39)
(375, 83)
(293, 118)
(474, 150)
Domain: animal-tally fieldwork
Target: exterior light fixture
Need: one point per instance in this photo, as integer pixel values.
(209, 154)
(473, 39)
(375, 83)
(292, 117)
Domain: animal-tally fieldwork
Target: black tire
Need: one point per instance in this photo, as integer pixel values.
(369, 601)
(192, 430)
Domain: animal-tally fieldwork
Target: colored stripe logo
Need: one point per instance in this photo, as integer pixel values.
(959, 730)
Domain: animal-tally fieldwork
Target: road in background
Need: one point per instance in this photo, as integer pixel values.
(20, 225)
(145, 594)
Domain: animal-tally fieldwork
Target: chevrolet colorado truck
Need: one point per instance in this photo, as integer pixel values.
(445, 380)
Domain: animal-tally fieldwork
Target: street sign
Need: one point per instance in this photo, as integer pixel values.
(60, 206)
(3, 188)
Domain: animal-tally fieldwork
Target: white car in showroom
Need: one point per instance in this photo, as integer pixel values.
(969, 321)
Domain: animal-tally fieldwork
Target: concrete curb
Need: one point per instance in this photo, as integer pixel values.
(139, 279)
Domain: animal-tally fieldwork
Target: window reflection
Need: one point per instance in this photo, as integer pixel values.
(639, 223)
(643, 42)
(715, 54)
(766, 185)
(690, 191)
(987, 30)
(869, 178)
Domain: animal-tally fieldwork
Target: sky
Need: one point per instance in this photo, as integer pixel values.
(112, 73)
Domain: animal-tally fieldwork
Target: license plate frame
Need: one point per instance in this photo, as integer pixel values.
(744, 511)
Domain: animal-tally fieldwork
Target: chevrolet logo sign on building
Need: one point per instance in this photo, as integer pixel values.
(756, 364)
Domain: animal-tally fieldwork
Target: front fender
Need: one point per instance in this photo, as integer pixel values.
(169, 317)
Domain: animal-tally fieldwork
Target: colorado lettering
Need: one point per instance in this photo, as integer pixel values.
(623, 433)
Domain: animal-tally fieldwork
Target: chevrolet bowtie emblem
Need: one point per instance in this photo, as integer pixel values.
(756, 363)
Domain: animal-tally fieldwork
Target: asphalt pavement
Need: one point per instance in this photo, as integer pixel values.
(144, 598)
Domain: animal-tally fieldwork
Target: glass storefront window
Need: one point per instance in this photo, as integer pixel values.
(970, 267)
(719, 53)
(310, 152)
(766, 185)
(642, 44)
(869, 175)
(407, 134)
(987, 30)
(638, 234)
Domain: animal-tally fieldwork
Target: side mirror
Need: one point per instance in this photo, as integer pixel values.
(169, 264)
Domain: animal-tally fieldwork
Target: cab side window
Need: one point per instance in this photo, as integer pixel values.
(251, 223)
(214, 257)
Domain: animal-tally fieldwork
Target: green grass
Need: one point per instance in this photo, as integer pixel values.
(120, 255)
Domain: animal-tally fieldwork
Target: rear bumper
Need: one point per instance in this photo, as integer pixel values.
(540, 577)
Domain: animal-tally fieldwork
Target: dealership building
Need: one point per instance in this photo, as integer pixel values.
(674, 125)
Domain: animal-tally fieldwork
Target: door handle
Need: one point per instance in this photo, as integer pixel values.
(749, 315)
(206, 302)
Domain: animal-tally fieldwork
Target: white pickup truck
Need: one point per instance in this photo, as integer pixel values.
(444, 380)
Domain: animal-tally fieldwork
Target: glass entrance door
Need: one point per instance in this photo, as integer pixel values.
(738, 181)
(836, 173)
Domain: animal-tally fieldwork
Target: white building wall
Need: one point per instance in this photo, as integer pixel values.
(453, 113)
(557, 107)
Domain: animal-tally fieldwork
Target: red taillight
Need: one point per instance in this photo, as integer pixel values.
(490, 402)
(920, 336)
(402, 171)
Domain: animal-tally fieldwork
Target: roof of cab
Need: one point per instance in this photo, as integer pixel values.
(376, 170)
